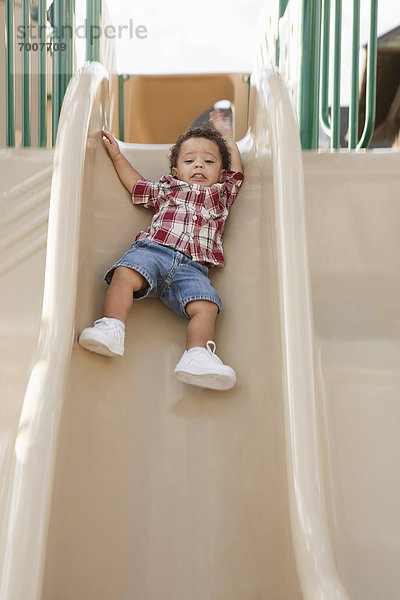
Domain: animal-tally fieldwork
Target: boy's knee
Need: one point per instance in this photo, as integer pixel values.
(126, 275)
(201, 307)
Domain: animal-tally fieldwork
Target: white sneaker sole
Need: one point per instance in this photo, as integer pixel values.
(212, 381)
(99, 347)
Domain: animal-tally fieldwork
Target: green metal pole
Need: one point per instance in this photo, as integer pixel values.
(54, 79)
(93, 29)
(121, 122)
(10, 82)
(335, 140)
(97, 31)
(62, 54)
(370, 103)
(69, 40)
(42, 96)
(89, 29)
(56, 92)
(63, 37)
(282, 7)
(353, 109)
(26, 105)
(308, 100)
(324, 99)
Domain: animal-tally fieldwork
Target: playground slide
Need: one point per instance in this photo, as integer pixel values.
(25, 177)
(127, 483)
(353, 209)
(339, 297)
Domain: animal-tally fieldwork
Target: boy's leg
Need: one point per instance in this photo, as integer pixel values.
(119, 297)
(107, 336)
(199, 365)
(201, 326)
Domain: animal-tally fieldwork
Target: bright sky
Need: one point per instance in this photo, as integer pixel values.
(187, 36)
(210, 35)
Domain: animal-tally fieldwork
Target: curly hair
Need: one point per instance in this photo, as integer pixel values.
(208, 132)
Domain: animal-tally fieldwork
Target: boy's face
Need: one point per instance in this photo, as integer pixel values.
(199, 161)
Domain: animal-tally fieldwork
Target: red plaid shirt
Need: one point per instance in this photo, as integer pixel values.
(190, 218)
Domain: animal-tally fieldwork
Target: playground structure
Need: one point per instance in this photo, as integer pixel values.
(120, 482)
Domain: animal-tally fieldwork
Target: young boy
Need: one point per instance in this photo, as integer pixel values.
(170, 258)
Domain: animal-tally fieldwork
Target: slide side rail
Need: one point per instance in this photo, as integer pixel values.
(84, 111)
(311, 538)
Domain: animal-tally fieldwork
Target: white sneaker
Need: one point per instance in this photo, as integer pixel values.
(107, 337)
(202, 367)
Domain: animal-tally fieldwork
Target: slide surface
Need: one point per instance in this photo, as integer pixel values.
(163, 490)
(143, 487)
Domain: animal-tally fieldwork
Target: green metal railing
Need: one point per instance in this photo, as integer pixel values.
(10, 83)
(353, 108)
(331, 124)
(121, 107)
(42, 93)
(282, 7)
(313, 94)
(309, 74)
(61, 46)
(93, 19)
(25, 74)
(370, 109)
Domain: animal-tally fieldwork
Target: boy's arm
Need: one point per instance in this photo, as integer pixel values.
(127, 174)
(224, 126)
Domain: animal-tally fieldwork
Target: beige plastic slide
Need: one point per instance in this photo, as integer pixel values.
(25, 180)
(124, 483)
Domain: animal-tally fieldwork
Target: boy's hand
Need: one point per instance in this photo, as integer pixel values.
(111, 144)
(221, 123)
(126, 172)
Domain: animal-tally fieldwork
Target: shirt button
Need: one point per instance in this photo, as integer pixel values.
(194, 218)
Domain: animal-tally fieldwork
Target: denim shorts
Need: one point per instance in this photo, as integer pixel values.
(172, 276)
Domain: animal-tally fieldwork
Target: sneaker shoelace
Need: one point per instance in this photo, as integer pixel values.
(211, 347)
